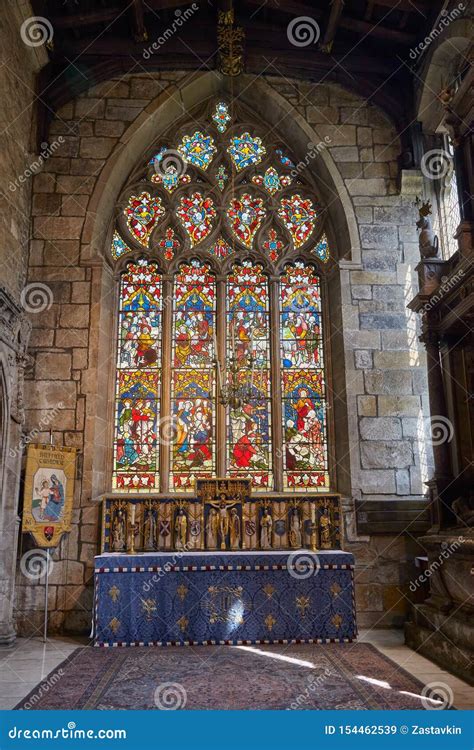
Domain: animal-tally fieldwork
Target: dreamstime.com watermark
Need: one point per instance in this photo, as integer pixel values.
(167, 568)
(181, 18)
(67, 733)
(314, 683)
(303, 565)
(43, 688)
(43, 424)
(445, 286)
(448, 17)
(47, 150)
(314, 149)
(448, 550)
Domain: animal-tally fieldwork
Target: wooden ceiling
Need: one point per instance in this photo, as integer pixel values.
(362, 44)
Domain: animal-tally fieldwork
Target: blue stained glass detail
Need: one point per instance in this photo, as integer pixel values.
(119, 247)
(245, 150)
(199, 149)
(285, 160)
(221, 116)
(322, 249)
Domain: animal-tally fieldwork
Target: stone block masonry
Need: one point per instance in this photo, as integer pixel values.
(384, 368)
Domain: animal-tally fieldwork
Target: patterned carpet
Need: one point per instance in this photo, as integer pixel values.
(330, 676)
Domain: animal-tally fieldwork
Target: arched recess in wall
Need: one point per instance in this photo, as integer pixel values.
(169, 112)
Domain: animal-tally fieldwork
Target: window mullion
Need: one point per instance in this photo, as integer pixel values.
(275, 380)
(221, 354)
(165, 403)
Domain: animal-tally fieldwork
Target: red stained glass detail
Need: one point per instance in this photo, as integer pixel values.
(196, 214)
(245, 215)
(142, 215)
(299, 218)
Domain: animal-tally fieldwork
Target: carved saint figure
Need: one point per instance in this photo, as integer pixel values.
(325, 529)
(118, 531)
(223, 505)
(266, 525)
(181, 529)
(212, 527)
(295, 529)
(234, 529)
(149, 529)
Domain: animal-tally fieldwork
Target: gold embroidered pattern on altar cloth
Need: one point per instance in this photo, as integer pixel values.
(269, 622)
(302, 603)
(183, 623)
(336, 621)
(114, 593)
(335, 589)
(114, 625)
(269, 590)
(149, 608)
(182, 590)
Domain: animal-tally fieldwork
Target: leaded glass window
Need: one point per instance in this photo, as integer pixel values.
(221, 249)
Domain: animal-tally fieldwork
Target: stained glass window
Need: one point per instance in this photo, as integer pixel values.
(248, 348)
(304, 401)
(138, 379)
(205, 386)
(192, 378)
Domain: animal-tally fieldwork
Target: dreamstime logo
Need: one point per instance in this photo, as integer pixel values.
(314, 149)
(36, 31)
(170, 161)
(314, 683)
(448, 16)
(181, 18)
(437, 696)
(36, 297)
(33, 434)
(442, 430)
(35, 564)
(447, 283)
(448, 550)
(44, 687)
(436, 164)
(47, 150)
(303, 565)
(170, 696)
(168, 430)
(303, 31)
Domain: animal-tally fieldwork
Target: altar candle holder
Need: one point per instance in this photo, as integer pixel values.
(131, 524)
(313, 527)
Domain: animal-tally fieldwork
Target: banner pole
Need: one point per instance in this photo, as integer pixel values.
(45, 631)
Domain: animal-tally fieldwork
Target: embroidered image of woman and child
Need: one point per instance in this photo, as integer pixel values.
(49, 495)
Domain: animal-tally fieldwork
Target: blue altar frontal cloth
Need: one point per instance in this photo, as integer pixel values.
(189, 598)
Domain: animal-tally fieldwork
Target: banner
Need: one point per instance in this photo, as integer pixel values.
(49, 493)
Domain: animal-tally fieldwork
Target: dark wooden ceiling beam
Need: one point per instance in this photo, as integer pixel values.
(335, 14)
(411, 6)
(138, 21)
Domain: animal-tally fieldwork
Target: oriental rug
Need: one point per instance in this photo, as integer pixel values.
(306, 676)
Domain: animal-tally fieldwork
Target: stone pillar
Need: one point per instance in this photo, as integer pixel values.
(14, 334)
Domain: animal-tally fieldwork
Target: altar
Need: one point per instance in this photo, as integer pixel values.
(223, 567)
(239, 598)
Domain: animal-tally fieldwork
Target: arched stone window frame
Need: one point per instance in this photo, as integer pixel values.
(205, 182)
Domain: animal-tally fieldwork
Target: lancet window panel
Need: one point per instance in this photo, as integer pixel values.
(222, 242)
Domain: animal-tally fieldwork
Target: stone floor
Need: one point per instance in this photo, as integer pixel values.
(28, 661)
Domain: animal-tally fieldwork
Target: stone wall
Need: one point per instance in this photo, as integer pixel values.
(381, 364)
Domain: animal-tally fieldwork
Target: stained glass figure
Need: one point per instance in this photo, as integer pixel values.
(196, 214)
(299, 217)
(171, 178)
(192, 379)
(249, 442)
(271, 180)
(138, 381)
(221, 117)
(142, 214)
(273, 245)
(285, 160)
(198, 149)
(169, 244)
(245, 215)
(119, 247)
(304, 404)
(322, 249)
(221, 248)
(245, 150)
(221, 177)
